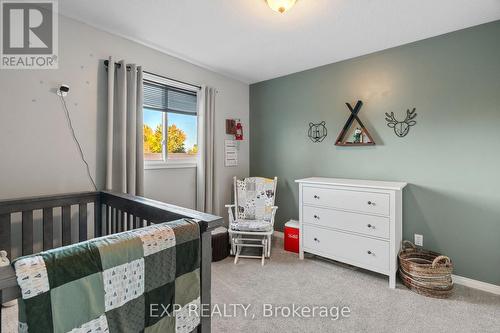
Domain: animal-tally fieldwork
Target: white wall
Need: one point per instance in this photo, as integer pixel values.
(37, 154)
(176, 186)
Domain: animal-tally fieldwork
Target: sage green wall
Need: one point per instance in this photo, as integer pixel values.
(451, 158)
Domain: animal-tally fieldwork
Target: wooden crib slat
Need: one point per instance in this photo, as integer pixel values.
(111, 218)
(107, 226)
(115, 221)
(123, 221)
(27, 225)
(5, 237)
(48, 229)
(110, 222)
(66, 225)
(82, 222)
(118, 220)
(130, 220)
(98, 218)
(136, 222)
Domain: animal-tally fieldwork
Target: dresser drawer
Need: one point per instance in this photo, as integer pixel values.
(352, 249)
(368, 202)
(371, 225)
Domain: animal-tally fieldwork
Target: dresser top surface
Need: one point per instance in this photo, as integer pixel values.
(385, 185)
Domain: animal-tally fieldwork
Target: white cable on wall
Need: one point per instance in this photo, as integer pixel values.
(80, 150)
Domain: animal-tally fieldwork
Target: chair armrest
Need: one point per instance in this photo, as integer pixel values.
(273, 214)
(230, 212)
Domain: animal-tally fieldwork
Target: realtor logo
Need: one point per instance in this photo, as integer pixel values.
(29, 34)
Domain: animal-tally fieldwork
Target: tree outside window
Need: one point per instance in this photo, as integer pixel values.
(178, 144)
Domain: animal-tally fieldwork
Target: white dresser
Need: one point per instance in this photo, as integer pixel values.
(358, 222)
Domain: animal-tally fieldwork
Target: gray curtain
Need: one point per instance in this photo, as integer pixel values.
(205, 199)
(125, 160)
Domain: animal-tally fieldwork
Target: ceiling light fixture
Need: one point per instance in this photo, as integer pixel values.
(281, 6)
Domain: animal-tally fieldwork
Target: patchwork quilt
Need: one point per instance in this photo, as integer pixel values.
(255, 204)
(144, 280)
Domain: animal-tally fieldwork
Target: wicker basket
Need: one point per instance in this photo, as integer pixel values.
(425, 272)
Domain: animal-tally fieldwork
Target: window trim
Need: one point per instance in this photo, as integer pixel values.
(155, 165)
(166, 163)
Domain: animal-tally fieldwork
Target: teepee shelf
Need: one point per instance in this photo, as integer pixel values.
(361, 136)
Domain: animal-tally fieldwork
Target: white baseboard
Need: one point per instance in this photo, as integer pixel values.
(279, 234)
(484, 286)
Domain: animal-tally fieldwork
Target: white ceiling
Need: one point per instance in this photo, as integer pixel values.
(246, 40)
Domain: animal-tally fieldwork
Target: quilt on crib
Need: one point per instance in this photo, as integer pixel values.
(143, 280)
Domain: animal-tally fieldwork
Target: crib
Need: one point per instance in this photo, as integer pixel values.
(71, 218)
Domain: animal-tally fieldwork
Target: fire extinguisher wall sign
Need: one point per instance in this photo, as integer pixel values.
(239, 131)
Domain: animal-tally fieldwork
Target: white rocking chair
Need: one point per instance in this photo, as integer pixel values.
(252, 223)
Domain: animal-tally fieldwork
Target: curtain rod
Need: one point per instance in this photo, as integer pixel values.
(118, 65)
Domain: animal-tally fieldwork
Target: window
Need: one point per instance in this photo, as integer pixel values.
(170, 122)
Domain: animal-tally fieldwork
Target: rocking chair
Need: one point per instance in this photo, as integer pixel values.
(252, 223)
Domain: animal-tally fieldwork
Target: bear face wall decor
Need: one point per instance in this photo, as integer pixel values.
(317, 132)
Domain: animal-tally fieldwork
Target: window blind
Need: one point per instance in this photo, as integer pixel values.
(169, 99)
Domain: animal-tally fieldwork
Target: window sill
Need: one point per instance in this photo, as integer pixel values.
(163, 165)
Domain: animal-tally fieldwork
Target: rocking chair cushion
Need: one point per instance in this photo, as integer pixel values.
(255, 198)
(251, 225)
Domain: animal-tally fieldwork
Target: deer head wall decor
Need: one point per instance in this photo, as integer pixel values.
(401, 128)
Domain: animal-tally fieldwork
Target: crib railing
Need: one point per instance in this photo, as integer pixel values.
(112, 213)
(47, 205)
(122, 212)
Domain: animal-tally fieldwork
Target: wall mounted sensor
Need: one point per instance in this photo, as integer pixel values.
(63, 90)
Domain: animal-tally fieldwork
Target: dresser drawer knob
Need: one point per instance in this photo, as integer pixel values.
(316, 217)
(370, 226)
(316, 196)
(370, 252)
(316, 240)
(371, 203)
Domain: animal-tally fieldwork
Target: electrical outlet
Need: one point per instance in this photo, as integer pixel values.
(419, 240)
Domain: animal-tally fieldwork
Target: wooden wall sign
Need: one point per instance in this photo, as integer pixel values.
(354, 132)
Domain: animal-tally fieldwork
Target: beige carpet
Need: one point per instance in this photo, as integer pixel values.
(285, 280)
(9, 320)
